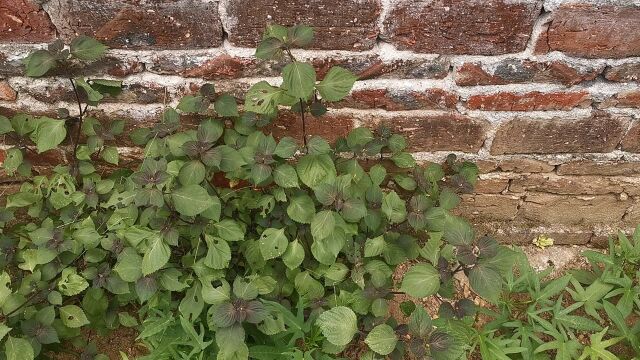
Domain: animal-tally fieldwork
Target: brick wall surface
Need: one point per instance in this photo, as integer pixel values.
(543, 94)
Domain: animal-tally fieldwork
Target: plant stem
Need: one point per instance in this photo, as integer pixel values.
(304, 124)
(74, 167)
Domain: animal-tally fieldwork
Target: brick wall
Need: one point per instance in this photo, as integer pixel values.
(544, 95)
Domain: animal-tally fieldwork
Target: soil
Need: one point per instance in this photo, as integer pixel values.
(120, 340)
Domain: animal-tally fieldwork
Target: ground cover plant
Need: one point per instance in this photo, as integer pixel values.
(226, 243)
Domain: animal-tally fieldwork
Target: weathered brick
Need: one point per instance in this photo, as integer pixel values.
(623, 99)
(631, 141)
(574, 185)
(365, 66)
(515, 165)
(446, 132)
(524, 165)
(175, 24)
(330, 126)
(136, 93)
(24, 21)
(516, 71)
(6, 92)
(607, 168)
(572, 210)
(598, 133)
(623, 73)
(491, 185)
(343, 25)
(489, 207)
(393, 100)
(524, 233)
(461, 26)
(595, 31)
(506, 101)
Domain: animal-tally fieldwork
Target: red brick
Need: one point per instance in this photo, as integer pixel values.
(598, 133)
(221, 67)
(461, 26)
(6, 92)
(623, 73)
(329, 126)
(176, 24)
(515, 71)
(24, 21)
(394, 100)
(608, 168)
(446, 132)
(339, 25)
(624, 99)
(631, 141)
(365, 66)
(536, 100)
(596, 31)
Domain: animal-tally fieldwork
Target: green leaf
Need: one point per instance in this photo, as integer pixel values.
(286, 148)
(420, 322)
(374, 247)
(420, 281)
(157, 255)
(73, 316)
(301, 35)
(486, 282)
(359, 137)
(294, 255)
(193, 104)
(322, 224)
(39, 63)
(71, 283)
(225, 105)
(192, 173)
(263, 98)
(13, 160)
(394, 208)
(18, 349)
(218, 254)
(49, 134)
(129, 265)
(273, 243)
(338, 325)
(458, 231)
(382, 339)
(35, 257)
(87, 48)
(229, 230)
(268, 48)
(299, 79)
(191, 200)
(314, 170)
(285, 176)
(110, 154)
(5, 125)
(5, 287)
(336, 84)
(301, 209)
(93, 96)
